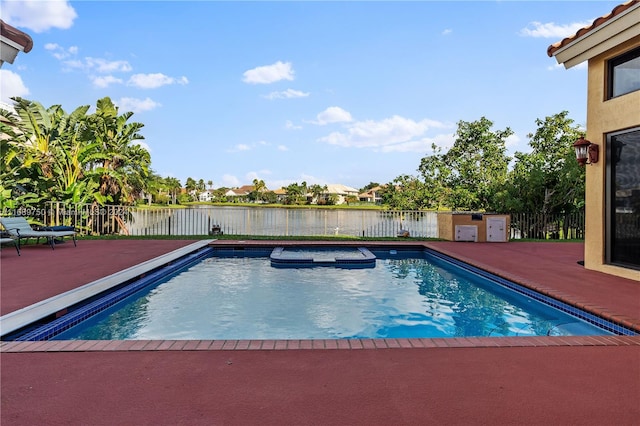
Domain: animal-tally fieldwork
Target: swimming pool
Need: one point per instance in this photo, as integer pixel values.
(236, 294)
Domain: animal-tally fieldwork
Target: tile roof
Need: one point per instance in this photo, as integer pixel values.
(596, 23)
(21, 38)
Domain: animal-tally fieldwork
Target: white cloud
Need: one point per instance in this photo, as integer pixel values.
(137, 105)
(333, 115)
(59, 52)
(240, 147)
(269, 73)
(105, 81)
(99, 65)
(230, 181)
(11, 85)
(512, 141)
(423, 146)
(152, 81)
(447, 31)
(104, 66)
(39, 16)
(248, 147)
(287, 94)
(383, 134)
(290, 126)
(551, 29)
(282, 148)
(250, 176)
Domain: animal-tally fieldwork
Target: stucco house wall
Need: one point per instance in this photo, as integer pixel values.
(603, 117)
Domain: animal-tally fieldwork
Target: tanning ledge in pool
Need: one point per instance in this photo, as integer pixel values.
(362, 258)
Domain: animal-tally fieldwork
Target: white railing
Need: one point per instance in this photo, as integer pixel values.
(287, 222)
(259, 221)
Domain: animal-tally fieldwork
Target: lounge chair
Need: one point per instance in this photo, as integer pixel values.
(4, 240)
(19, 228)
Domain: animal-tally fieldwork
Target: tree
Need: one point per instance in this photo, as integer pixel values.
(45, 156)
(259, 188)
(296, 193)
(173, 185)
(477, 165)
(468, 176)
(49, 155)
(191, 186)
(369, 186)
(547, 179)
(123, 164)
(406, 192)
(316, 191)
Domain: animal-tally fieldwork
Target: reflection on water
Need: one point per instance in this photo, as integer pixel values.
(245, 298)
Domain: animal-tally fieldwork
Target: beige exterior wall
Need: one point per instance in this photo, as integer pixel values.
(604, 116)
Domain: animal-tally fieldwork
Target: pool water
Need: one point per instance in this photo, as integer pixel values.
(235, 297)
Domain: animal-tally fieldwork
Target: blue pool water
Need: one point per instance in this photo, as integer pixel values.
(406, 295)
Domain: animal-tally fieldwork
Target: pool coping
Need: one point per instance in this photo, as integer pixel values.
(342, 344)
(326, 344)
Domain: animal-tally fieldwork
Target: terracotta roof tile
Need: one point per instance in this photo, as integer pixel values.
(596, 23)
(17, 36)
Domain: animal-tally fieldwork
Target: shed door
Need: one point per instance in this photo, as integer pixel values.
(496, 229)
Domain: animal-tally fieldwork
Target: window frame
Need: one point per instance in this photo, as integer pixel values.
(610, 207)
(612, 64)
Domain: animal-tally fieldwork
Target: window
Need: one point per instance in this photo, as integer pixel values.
(624, 74)
(623, 198)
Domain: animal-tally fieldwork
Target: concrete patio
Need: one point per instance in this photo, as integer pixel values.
(544, 380)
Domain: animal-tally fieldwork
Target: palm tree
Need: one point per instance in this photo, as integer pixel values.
(45, 154)
(123, 165)
(259, 187)
(317, 190)
(173, 185)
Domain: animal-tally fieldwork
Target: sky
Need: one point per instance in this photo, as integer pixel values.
(288, 92)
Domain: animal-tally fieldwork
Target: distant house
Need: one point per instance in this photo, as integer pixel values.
(240, 194)
(372, 195)
(206, 196)
(13, 41)
(281, 195)
(611, 147)
(341, 191)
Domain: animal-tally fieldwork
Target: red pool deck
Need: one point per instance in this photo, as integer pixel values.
(473, 381)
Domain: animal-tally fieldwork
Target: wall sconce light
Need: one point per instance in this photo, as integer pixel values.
(586, 152)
